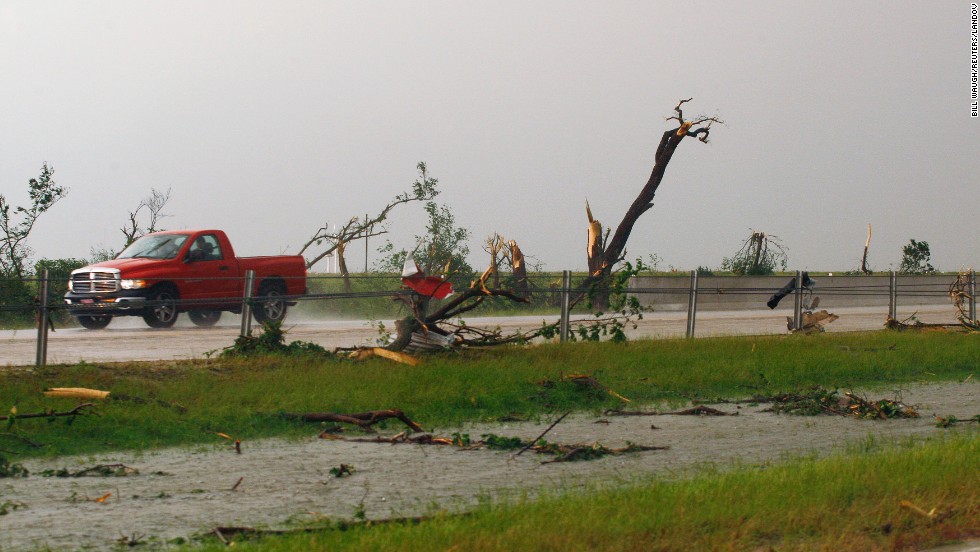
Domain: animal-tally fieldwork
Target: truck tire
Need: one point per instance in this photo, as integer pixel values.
(204, 318)
(163, 313)
(270, 305)
(94, 322)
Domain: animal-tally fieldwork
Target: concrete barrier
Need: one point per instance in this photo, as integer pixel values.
(670, 293)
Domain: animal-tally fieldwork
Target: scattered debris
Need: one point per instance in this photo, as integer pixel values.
(102, 470)
(96, 394)
(933, 515)
(363, 420)
(77, 411)
(821, 401)
(563, 452)
(342, 470)
(812, 322)
(790, 286)
(428, 286)
(10, 469)
(959, 294)
(543, 433)
(76, 393)
(11, 506)
(699, 410)
(950, 421)
(237, 442)
(136, 539)
(237, 483)
(361, 354)
(570, 453)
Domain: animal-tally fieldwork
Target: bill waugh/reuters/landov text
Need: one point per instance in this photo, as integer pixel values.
(973, 59)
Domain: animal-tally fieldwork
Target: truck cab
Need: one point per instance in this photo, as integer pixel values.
(196, 271)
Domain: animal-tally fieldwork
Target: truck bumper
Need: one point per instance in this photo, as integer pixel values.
(120, 303)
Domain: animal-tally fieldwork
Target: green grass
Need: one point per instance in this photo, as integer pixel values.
(245, 397)
(843, 502)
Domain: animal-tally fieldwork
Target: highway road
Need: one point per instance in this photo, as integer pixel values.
(128, 339)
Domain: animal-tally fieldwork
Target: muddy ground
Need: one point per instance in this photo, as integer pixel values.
(189, 491)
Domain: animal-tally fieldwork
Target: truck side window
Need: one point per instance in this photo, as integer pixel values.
(210, 249)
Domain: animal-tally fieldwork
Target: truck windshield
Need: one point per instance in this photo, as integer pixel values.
(162, 246)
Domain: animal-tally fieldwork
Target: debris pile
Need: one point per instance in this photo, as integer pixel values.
(821, 401)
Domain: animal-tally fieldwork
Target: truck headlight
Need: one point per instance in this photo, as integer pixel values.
(71, 286)
(132, 284)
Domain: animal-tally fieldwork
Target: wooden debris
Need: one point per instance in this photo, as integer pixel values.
(361, 354)
(76, 393)
(543, 433)
(699, 410)
(589, 452)
(101, 470)
(821, 401)
(364, 420)
(933, 515)
(812, 322)
(77, 411)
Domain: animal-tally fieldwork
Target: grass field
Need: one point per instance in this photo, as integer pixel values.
(848, 501)
(181, 403)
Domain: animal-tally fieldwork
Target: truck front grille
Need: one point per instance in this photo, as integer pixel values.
(94, 282)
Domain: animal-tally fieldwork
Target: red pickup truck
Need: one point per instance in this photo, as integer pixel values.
(165, 273)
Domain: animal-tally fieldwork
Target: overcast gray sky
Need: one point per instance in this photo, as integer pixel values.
(268, 119)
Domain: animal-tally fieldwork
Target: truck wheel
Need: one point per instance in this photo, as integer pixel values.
(163, 313)
(270, 305)
(204, 319)
(94, 322)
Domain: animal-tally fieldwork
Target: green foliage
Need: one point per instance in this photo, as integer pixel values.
(342, 470)
(915, 258)
(759, 255)
(14, 252)
(272, 341)
(623, 308)
(443, 245)
(9, 469)
(8, 506)
(498, 442)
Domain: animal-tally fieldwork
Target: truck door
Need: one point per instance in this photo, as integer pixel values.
(210, 273)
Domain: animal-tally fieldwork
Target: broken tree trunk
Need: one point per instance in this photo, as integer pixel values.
(601, 263)
(342, 265)
(864, 258)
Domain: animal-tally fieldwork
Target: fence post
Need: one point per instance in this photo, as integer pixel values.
(798, 301)
(41, 359)
(566, 285)
(692, 304)
(973, 295)
(892, 295)
(247, 303)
